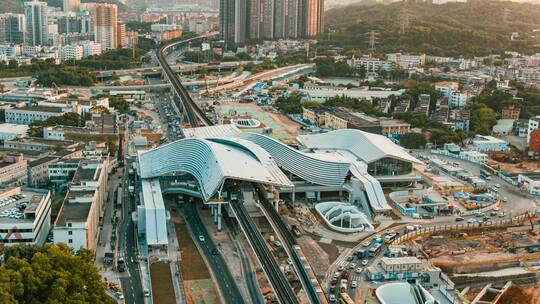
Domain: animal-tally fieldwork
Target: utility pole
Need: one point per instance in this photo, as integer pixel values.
(405, 18)
(373, 36)
(506, 15)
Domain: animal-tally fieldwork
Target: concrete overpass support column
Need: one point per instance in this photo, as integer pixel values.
(292, 196)
(215, 214)
(318, 195)
(219, 217)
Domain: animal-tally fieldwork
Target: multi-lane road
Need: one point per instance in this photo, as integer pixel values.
(130, 279)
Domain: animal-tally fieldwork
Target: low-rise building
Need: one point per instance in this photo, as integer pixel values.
(401, 264)
(78, 219)
(403, 106)
(38, 171)
(322, 93)
(504, 126)
(60, 172)
(13, 170)
(446, 87)
(423, 104)
(9, 131)
(394, 128)
(25, 216)
(27, 115)
(314, 115)
(406, 61)
(534, 122)
(39, 144)
(484, 143)
(511, 112)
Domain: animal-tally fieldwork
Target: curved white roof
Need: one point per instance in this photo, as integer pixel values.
(402, 293)
(366, 146)
(312, 169)
(211, 162)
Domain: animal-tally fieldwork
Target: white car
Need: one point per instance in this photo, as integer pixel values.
(359, 270)
(119, 295)
(201, 238)
(332, 298)
(365, 262)
(354, 284)
(366, 243)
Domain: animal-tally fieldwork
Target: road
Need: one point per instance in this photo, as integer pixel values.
(226, 284)
(131, 279)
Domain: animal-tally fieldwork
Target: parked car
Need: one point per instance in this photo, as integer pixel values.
(201, 238)
(354, 284)
(359, 270)
(119, 295)
(365, 262)
(459, 219)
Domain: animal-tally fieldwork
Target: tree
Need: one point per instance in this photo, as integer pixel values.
(412, 141)
(483, 119)
(290, 104)
(50, 274)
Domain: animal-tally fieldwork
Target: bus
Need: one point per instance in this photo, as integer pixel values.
(485, 175)
(374, 250)
(344, 298)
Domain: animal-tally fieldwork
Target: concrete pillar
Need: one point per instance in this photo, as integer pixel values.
(276, 205)
(293, 196)
(318, 196)
(215, 214)
(219, 217)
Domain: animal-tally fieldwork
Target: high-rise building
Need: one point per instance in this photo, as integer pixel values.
(37, 27)
(121, 34)
(12, 28)
(72, 6)
(69, 23)
(270, 19)
(314, 17)
(105, 23)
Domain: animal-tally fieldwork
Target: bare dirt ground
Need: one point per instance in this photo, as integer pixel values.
(192, 264)
(198, 284)
(521, 295)
(318, 258)
(162, 288)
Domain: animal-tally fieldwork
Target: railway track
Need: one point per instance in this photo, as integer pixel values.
(195, 116)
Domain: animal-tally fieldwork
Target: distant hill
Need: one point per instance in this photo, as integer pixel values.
(16, 6)
(478, 27)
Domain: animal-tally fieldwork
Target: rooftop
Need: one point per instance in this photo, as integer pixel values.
(39, 109)
(17, 205)
(73, 212)
(42, 160)
(10, 128)
(400, 260)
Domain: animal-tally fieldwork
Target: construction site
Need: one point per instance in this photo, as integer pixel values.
(496, 263)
